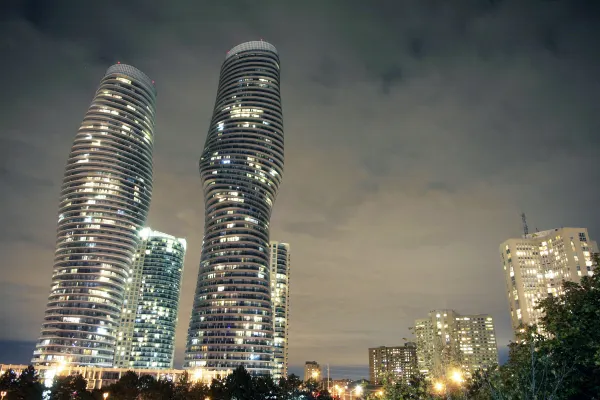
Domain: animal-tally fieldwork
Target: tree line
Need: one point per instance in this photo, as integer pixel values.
(239, 385)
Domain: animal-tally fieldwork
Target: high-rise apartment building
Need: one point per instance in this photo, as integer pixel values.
(447, 341)
(312, 370)
(241, 169)
(146, 337)
(104, 202)
(397, 361)
(536, 264)
(280, 290)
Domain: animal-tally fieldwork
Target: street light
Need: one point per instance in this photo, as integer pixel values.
(3, 393)
(358, 390)
(439, 387)
(457, 377)
(105, 395)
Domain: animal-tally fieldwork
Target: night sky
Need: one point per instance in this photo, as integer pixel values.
(416, 132)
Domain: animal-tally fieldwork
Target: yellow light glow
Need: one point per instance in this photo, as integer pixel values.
(315, 374)
(457, 377)
(197, 375)
(105, 395)
(439, 387)
(358, 390)
(60, 367)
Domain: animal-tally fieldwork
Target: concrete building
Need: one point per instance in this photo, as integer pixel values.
(447, 341)
(241, 169)
(399, 361)
(280, 277)
(536, 264)
(146, 337)
(104, 202)
(312, 370)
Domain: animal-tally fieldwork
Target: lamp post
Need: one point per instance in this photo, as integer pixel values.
(105, 395)
(3, 393)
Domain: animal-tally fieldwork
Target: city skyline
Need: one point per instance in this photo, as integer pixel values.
(447, 125)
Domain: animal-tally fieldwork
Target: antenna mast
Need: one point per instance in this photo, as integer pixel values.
(525, 228)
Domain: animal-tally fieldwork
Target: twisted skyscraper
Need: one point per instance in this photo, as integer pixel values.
(104, 202)
(241, 169)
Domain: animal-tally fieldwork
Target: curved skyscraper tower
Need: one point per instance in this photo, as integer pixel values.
(241, 169)
(104, 202)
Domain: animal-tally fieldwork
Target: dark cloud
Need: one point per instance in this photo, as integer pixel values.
(416, 133)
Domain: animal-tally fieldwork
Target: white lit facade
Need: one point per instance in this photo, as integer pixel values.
(447, 341)
(146, 337)
(536, 264)
(398, 361)
(104, 202)
(280, 290)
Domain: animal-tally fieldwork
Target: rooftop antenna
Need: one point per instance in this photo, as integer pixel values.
(525, 227)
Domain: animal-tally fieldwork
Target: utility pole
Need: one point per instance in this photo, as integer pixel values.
(328, 378)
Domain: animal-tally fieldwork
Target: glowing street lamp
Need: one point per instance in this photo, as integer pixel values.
(3, 393)
(105, 395)
(315, 374)
(197, 375)
(457, 377)
(439, 387)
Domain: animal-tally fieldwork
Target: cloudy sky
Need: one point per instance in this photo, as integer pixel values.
(416, 132)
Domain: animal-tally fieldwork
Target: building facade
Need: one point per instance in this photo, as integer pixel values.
(146, 337)
(312, 370)
(536, 264)
(397, 361)
(448, 341)
(280, 290)
(104, 202)
(241, 169)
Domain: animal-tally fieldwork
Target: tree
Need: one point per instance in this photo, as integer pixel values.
(182, 389)
(69, 388)
(264, 388)
(398, 389)
(572, 322)
(198, 391)
(311, 385)
(125, 388)
(218, 390)
(239, 385)
(28, 385)
(562, 362)
(8, 380)
(289, 387)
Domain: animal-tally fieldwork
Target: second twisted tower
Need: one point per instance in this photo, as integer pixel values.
(241, 169)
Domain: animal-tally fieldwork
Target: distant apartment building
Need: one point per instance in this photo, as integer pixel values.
(447, 341)
(312, 370)
(280, 276)
(398, 361)
(146, 332)
(536, 264)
